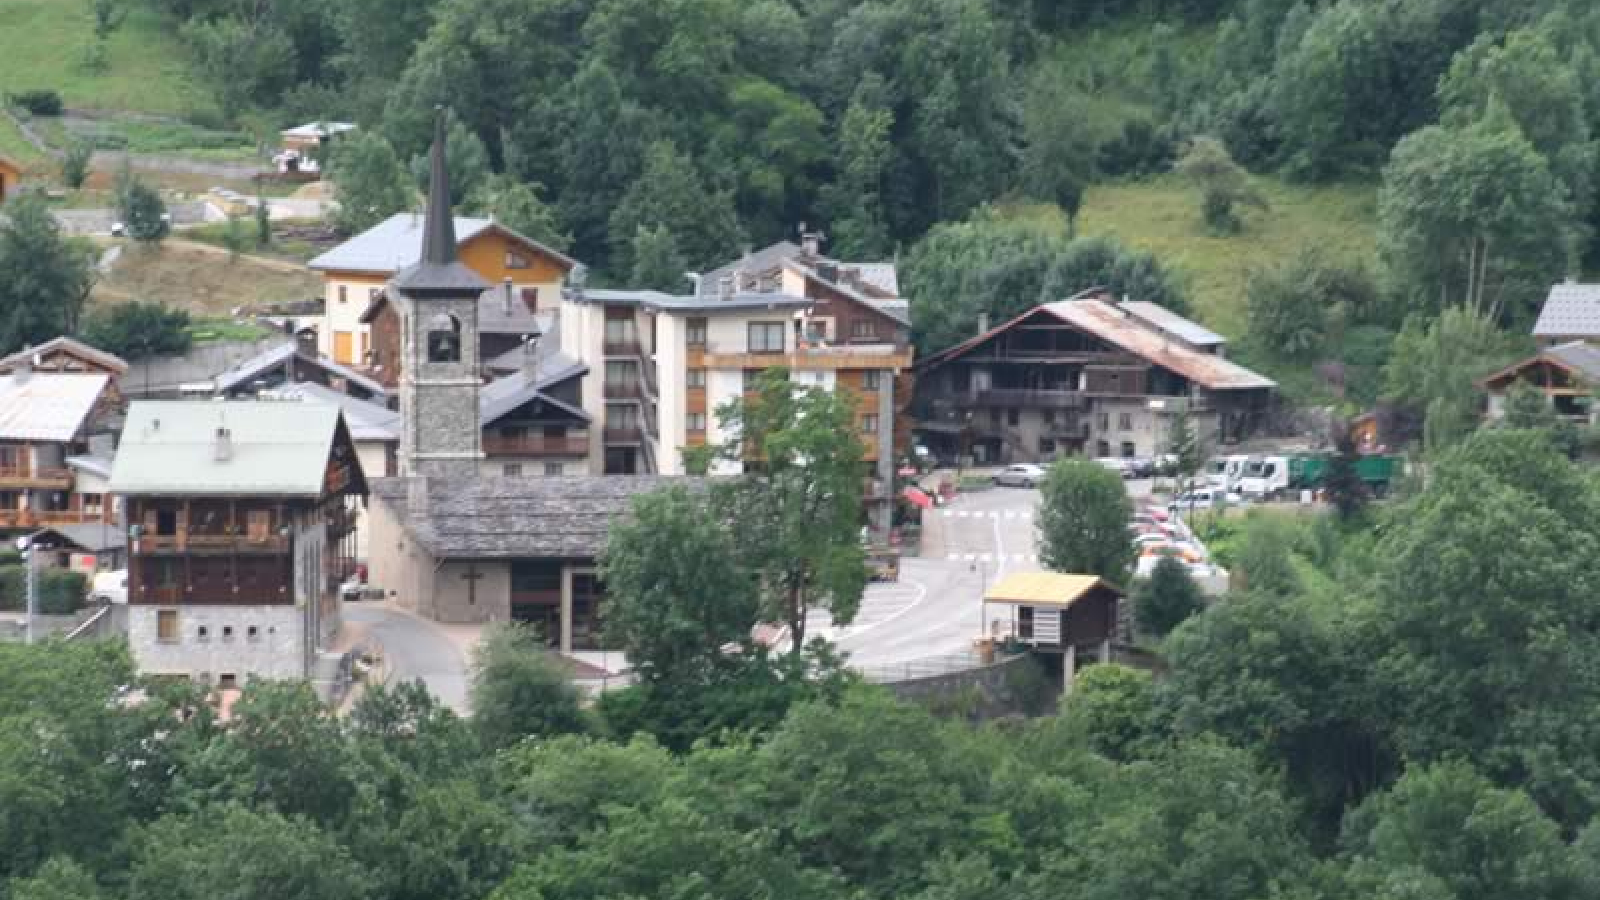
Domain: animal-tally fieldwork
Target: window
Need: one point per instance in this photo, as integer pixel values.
(93, 504)
(444, 339)
(344, 293)
(512, 470)
(1124, 421)
(252, 633)
(622, 372)
(1102, 449)
(1047, 445)
(258, 525)
(553, 470)
(1013, 416)
(994, 417)
(695, 421)
(203, 633)
(621, 332)
(167, 626)
(766, 337)
(863, 330)
(1102, 422)
(871, 379)
(227, 681)
(515, 260)
(869, 423)
(622, 415)
(695, 332)
(752, 380)
(227, 632)
(1128, 449)
(695, 378)
(1049, 416)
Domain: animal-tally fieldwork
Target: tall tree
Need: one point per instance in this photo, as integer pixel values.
(1342, 486)
(1083, 521)
(670, 193)
(1472, 215)
(863, 151)
(796, 512)
(518, 206)
(44, 277)
(678, 597)
(143, 212)
(466, 159)
(1184, 446)
(1062, 143)
(1164, 600)
(135, 330)
(657, 262)
(1434, 364)
(369, 182)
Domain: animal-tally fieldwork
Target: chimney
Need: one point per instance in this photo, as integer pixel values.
(983, 323)
(222, 446)
(23, 371)
(810, 243)
(530, 355)
(725, 286)
(694, 282)
(506, 296)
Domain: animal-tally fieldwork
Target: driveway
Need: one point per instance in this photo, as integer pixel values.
(413, 649)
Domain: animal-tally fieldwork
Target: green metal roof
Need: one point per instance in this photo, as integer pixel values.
(276, 448)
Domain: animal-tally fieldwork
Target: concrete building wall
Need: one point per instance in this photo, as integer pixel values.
(373, 456)
(472, 592)
(722, 385)
(393, 563)
(582, 338)
(227, 645)
(671, 349)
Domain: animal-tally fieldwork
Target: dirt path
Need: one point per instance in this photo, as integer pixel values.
(281, 265)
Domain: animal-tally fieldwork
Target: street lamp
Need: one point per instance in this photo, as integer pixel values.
(24, 546)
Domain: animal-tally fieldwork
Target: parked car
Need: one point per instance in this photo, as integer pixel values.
(109, 587)
(1141, 466)
(1203, 498)
(1117, 464)
(883, 565)
(1025, 475)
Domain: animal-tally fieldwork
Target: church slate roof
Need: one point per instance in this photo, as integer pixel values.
(515, 518)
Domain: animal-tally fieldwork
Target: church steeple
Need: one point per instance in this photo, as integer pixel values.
(438, 299)
(438, 271)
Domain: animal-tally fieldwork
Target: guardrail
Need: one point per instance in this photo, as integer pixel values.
(930, 667)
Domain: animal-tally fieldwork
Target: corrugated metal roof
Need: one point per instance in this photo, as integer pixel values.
(1570, 310)
(1163, 319)
(1579, 356)
(48, 406)
(278, 449)
(1115, 327)
(366, 420)
(1043, 588)
(396, 243)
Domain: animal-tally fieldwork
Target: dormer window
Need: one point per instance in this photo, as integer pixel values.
(444, 339)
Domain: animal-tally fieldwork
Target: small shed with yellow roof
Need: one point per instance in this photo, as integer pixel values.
(1057, 612)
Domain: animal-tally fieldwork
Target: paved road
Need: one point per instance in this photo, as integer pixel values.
(936, 608)
(415, 649)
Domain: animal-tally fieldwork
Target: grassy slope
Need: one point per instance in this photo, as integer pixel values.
(1163, 216)
(204, 283)
(41, 46)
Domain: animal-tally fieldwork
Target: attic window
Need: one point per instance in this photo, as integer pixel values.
(515, 260)
(444, 339)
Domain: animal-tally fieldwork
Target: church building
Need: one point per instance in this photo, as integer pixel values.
(447, 540)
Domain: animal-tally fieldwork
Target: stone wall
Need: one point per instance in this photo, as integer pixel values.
(276, 650)
(984, 693)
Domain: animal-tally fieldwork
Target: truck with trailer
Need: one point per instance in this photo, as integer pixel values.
(1263, 477)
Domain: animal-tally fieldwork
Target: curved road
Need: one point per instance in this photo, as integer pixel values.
(413, 649)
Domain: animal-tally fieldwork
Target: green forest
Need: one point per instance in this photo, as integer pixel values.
(1400, 705)
(653, 137)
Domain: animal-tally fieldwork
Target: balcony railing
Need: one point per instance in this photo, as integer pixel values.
(622, 347)
(623, 390)
(624, 434)
(1031, 398)
(211, 543)
(25, 476)
(32, 518)
(536, 445)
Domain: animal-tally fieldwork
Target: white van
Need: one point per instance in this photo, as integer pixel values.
(109, 587)
(1203, 498)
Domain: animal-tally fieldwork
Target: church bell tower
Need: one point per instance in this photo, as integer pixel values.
(437, 298)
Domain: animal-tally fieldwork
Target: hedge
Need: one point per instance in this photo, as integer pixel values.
(61, 592)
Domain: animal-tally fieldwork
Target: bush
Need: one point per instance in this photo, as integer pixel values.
(42, 102)
(136, 329)
(61, 592)
(75, 164)
(13, 587)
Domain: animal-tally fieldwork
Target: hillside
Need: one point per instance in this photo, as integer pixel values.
(42, 44)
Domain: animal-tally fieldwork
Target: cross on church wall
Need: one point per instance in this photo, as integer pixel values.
(472, 576)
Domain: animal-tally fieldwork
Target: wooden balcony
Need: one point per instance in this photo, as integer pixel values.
(622, 348)
(830, 358)
(623, 390)
(177, 595)
(624, 434)
(32, 518)
(1028, 398)
(27, 477)
(573, 444)
(211, 543)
